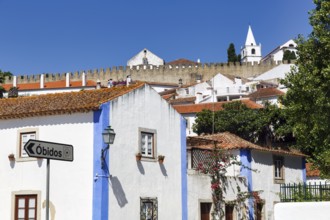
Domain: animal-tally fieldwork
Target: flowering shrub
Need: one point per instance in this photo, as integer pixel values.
(215, 165)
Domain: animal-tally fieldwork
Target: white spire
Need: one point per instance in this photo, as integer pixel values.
(250, 38)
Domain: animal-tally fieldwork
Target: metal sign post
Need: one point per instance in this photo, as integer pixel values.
(49, 151)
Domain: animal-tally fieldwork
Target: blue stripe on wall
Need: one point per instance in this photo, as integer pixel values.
(184, 183)
(100, 186)
(304, 169)
(246, 171)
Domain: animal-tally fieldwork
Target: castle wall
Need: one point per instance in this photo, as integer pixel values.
(166, 73)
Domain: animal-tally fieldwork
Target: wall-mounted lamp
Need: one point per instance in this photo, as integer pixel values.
(108, 138)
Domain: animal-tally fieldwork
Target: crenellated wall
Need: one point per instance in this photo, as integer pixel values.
(166, 73)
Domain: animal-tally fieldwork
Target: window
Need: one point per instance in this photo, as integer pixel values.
(278, 169)
(25, 207)
(253, 51)
(24, 138)
(147, 139)
(149, 209)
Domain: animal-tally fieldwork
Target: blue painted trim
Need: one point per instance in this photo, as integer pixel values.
(303, 169)
(184, 183)
(101, 185)
(246, 171)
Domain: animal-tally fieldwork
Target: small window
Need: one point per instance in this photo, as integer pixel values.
(25, 207)
(253, 51)
(147, 139)
(24, 138)
(148, 209)
(145, 61)
(279, 169)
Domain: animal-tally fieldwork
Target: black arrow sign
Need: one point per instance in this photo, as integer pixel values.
(29, 148)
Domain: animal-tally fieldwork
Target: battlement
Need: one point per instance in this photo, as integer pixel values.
(165, 73)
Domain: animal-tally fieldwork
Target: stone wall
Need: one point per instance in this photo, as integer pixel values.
(166, 73)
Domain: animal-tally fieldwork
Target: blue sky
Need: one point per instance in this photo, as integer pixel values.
(38, 36)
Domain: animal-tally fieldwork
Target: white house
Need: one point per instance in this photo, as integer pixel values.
(261, 172)
(277, 54)
(145, 57)
(267, 95)
(100, 183)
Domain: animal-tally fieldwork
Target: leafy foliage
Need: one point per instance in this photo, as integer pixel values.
(308, 96)
(256, 125)
(231, 54)
(3, 75)
(289, 55)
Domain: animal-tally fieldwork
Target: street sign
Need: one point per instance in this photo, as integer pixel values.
(49, 150)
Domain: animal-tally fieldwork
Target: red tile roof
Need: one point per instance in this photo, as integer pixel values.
(60, 103)
(229, 141)
(311, 172)
(265, 92)
(49, 85)
(182, 61)
(213, 106)
(183, 100)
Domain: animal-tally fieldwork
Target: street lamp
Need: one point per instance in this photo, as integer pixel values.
(108, 135)
(108, 138)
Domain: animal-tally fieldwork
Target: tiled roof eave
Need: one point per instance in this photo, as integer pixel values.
(48, 113)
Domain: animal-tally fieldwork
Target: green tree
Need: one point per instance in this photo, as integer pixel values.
(308, 96)
(3, 75)
(265, 126)
(289, 55)
(231, 54)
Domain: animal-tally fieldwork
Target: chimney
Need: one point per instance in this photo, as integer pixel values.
(128, 80)
(198, 78)
(110, 83)
(42, 81)
(83, 77)
(98, 84)
(67, 80)
(198, 60)
(180, 82)
(14, 81)
(199, 97)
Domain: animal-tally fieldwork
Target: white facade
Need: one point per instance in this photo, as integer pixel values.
(83, 189)
(145, 57)
(259, 178)
(69, 181)
(144, 109)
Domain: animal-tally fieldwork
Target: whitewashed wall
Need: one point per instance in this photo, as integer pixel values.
(132, 180)
(71, 183)
(302, 211)
(263, 177)
(138, 59)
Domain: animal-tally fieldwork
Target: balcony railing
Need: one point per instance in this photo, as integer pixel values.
(305, 192)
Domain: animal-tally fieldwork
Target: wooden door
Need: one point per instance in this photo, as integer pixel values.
(206, 210)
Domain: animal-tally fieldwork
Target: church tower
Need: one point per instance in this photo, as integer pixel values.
(251, 52)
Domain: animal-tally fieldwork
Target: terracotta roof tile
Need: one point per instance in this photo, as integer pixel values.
(213, 106)
(266, 92)
(60, 103)
(183, 100)
(310, 172)
(229, 141)
(182, 61)
(49, 85)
